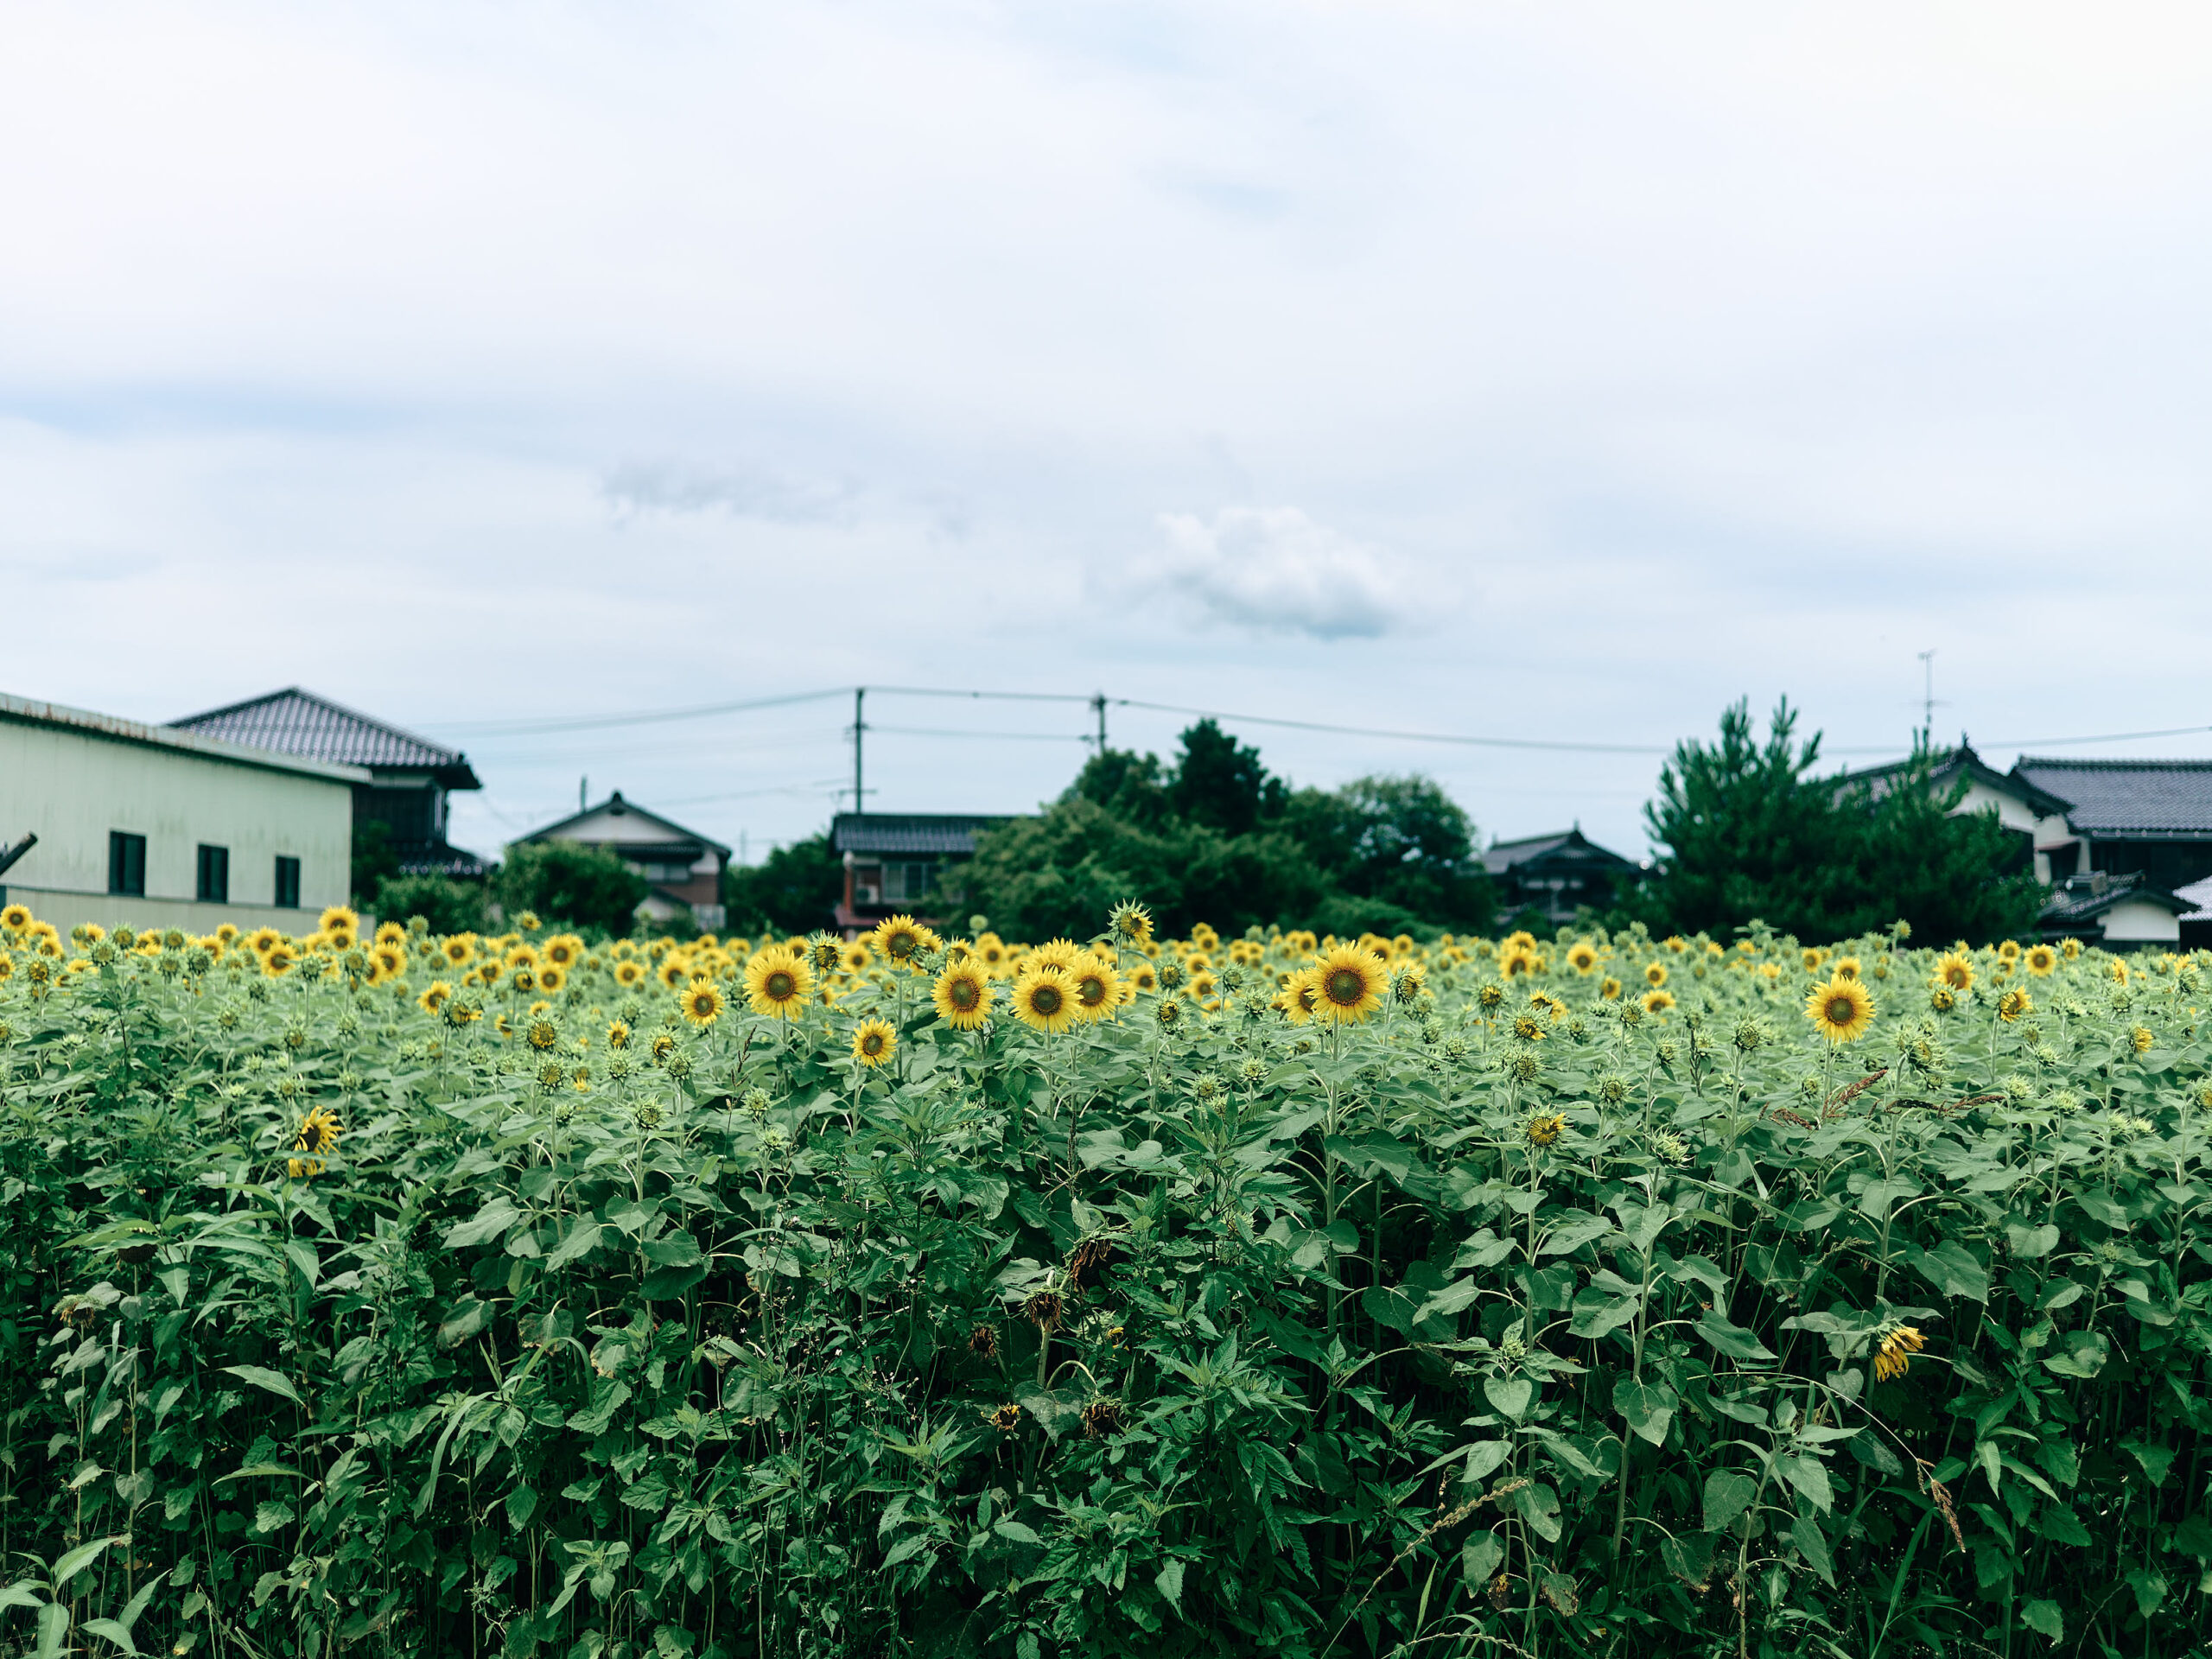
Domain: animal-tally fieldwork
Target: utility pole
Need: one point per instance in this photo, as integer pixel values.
(1927, 695)
(860, 726)
(582, 784)
(1099, 703)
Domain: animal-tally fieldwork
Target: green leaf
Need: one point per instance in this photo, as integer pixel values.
(2028, 1244)
(494, 1218)
(1538, 1504)
(1805, 1532)
(21, 1593)
(581, 1240)
(1810, 1475)
(2043, 1618)
(1647, 1408)
(1169, 1583)
(1021, 1534)
(1572, 1235)
(1953, 1269)
(469, 1317)
(1730, 1339)
(262, 1376)
(80, 1557)
(1598, 1313)
(1478, 1560)
(1728, 1493)
(1510, 1395)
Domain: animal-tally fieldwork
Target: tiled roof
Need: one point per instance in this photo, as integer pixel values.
(2198, 895)
(2082, 898)
(689, 844)
(2125, 798)
(910, 833)
(1944, 766)
(1573, 844)
(293, 721)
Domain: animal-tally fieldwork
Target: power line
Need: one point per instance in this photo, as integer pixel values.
(1410, 737)
(933, 731)
(585, 722)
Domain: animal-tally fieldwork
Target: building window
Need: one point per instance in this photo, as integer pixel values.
(288, 882)
(126, 863)
(906, 883)
(214, 874)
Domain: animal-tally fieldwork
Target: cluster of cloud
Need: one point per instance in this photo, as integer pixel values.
(743, 492)
(1275, 570)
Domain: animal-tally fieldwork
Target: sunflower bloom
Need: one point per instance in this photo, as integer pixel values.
(1543, 1130)
(1841, 1010)
(2042, 961)
(1955, 969)
(1655, 974)
(317, 1138)
(1044, 999)
(900, 938)
(701, 1002)
(1582, 956)
(1097, 990)
(435, 998)
(1351, 982)
(2015, 1002)
(1893, 1358)
(777, 983)
(1130, 923)
(963, 994)
(874, 1042)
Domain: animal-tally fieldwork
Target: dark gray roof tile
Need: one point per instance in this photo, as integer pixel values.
(2122, 798)
(293, 721)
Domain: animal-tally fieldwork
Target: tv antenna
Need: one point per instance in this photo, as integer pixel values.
(1928, 700)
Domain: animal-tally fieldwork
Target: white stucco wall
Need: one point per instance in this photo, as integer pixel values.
(72, 777)
(2135, 922)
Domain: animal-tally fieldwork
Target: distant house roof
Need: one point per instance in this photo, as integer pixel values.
(2198, 895)
(1948, 765)
(2084, 898)
(2149, 800)
(214, 745)
(639, 832)
(1562, 847)
(909, 834)
(293, 721)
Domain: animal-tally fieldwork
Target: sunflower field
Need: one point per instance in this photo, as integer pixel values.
(394, 1293)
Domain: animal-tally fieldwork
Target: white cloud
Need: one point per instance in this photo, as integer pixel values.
(1275, 570)
(743, 491)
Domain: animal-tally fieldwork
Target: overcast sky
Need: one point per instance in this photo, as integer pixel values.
(1544, 372)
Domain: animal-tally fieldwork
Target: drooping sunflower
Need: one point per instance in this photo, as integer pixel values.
(1942, 999)
(2015, 1002)
(2042, 961)
(701, 1002)
(1044, 999)
(1657, 1001)
(1955, 970)
(874, 1042)
(1893, 1356)
(2139, 1038)
(1097, 989)
(1529, 1029)
(777, 982)
(1841, 1010)
(963, 994)
(1350, 980)
(618, 1034)
(1544, 1129)
(317, 1138)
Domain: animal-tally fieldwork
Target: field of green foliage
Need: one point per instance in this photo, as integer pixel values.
(1596, 1295)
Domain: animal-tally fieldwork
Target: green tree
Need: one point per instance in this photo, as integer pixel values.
(1400, 844)
(795, 889)
(449, 906)
(566, 883)
(1221, 783)
(1748, 831)
(374, 859)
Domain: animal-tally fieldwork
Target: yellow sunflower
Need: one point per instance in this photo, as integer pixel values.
(2015, 1002)
(874, 1042)
(1044, 999)
(1144, 977)
(1841, 1010)
(278, 960)
(564, 949)
(963, 994)
(339, 918)
(1811, 958)
(264, 940)
(1130, 923)
(1582, 956)
(1514, 959)
(629, 972)
(701, 1002)
(1893, 1357)
(2070, 949)
(1955, 969)
(1657, 1001)
(1655, 974)
(436, 997)
(900, 938)
(777, 982)
(2009, 952)
(459, 950)
(1544, 1129)
(1846, 968)
(317, 1138)
(2042, 961)
(1097, 989)
(386, 961)
(16, 918)
(857, 958)
(1350, 981)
